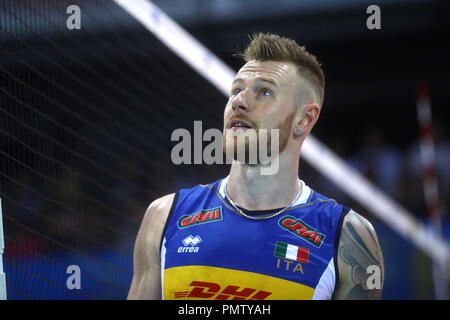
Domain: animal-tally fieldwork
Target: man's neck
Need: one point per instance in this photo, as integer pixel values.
(253, 191)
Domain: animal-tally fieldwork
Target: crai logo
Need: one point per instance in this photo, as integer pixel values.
(203, 216)
(302, 230)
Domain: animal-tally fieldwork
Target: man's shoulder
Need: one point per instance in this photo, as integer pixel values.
(161, 203)
(359, 228)
(355, 218)
(359, 250)
(211, 185)
(157, 212)
(199, 190)
(317, 196)
(159, 209)
(326, 202)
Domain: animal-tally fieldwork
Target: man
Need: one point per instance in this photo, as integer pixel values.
(254, 236)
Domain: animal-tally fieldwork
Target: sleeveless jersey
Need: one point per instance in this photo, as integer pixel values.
(209, 251)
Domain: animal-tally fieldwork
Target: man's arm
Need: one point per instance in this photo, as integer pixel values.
(360, 261)
(146, 283)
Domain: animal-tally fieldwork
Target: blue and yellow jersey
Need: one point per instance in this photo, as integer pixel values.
(209, 251)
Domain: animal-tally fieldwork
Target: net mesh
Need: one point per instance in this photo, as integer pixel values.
(86, 118)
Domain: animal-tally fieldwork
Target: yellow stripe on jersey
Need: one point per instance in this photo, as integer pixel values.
(203, 282)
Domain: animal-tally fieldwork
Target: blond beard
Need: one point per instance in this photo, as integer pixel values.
(285, 129)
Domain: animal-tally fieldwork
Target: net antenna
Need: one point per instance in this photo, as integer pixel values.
(317, 154)
(430, 182)
(2, 247)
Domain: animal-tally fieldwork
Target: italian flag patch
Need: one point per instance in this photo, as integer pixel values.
(291, 252)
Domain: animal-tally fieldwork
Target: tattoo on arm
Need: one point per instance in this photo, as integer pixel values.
(360, 260)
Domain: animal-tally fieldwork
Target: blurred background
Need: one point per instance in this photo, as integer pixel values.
(86, 118)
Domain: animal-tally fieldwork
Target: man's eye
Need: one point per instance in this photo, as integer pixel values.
(265, 92)
(235, 92)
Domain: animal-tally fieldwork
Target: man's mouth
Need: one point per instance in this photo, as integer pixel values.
(239, 124)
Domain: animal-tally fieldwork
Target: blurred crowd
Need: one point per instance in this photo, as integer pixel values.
(398, 170)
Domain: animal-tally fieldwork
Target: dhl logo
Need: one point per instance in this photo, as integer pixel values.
(203, 216)
(221, 283)
(302, 230)
(210, 290)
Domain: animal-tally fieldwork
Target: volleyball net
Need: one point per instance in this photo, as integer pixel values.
(86, 116)
(85, 122)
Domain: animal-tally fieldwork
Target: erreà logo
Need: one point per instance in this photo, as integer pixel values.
(302, 230)
(203, 216)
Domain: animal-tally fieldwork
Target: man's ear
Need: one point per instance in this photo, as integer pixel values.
(307, 118)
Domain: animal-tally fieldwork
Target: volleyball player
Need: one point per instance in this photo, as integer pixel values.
(254, 236)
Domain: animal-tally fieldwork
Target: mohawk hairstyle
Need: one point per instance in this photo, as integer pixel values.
(272, 47)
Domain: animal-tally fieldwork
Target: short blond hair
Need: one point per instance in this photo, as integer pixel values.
(272, 47)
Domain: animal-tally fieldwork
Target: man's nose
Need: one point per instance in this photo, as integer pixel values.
(240, 103)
